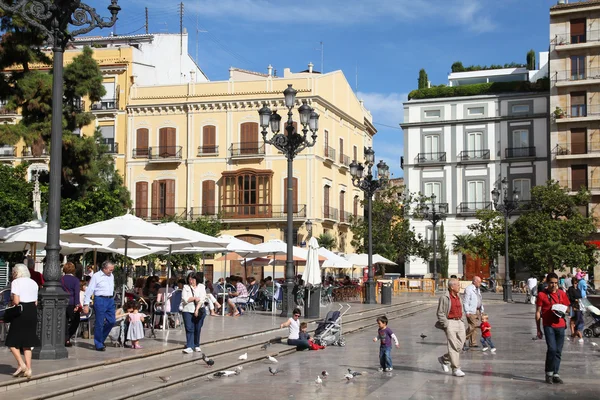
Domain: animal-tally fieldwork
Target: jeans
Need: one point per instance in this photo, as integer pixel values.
(385, 357)
(555, 338)
(193, 327)
(104, 309)
(299, 343)
(487, 342)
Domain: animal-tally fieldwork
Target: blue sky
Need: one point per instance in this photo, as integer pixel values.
(387, 41)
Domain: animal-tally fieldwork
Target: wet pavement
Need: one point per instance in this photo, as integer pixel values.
(516, 371)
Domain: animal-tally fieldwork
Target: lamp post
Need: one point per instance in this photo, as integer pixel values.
(369, 184)
(290, 143)
(309, 226)
(507, 207)
(434, 216)
(53, 18)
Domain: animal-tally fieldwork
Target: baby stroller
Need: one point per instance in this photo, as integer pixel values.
(118, 332)
(591, 318)
(329, 331)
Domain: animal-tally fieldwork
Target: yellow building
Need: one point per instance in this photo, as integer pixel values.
(197, 149)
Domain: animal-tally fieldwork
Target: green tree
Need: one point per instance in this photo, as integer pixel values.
(15, 196)
(327, 240)
(487, 239)
(531, 60)
(423, 80)
(553, 233)
(457, 66)
(444, 253)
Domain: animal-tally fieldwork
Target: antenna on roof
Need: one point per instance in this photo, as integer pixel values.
(321, 50)
(146, 20)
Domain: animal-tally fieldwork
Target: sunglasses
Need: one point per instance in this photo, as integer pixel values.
(296, 315)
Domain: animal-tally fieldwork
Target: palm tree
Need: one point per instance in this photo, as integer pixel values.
(326, 240)
(463, 244)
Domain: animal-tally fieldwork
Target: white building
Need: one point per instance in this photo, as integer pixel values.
(460, 148)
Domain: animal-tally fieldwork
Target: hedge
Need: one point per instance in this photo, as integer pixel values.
(542, 85)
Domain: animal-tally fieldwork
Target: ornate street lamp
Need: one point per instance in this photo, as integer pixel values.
(309, 226)
(507, 207)
(53, 19)
(369, 184)
(434, 216)
(290, 144)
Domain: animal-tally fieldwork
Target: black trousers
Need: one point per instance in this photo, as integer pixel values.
(72, 322)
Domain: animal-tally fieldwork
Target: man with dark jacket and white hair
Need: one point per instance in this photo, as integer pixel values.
(451, 320)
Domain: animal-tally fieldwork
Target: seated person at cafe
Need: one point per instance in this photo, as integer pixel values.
(269, 282)
(240, 296)
(252, 288)
(347, 281)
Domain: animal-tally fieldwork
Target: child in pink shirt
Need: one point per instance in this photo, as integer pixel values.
(136, 327)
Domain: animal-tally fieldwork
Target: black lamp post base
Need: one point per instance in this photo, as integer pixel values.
(370, 297)
(51, 328)
(507, 292)
(287, 300)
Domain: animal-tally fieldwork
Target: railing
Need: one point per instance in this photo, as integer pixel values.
(570, 75)
(165, 153)
(344, 160)
(580, 111)
(330, 213)
(518, 152)
(247, 149)
(140, 152)
(105, 104)
(329, 152)
(440, 208)
(474, 155)
(8, 151)
(575, 185)
(205, 211)
(111, 148)
(424, 158)
(208, 150)
(4, 111)
(469, 208)
(158, 214)
(28, 153)
(567, 38)
(244, 211)
(565, 149)
(345, 217)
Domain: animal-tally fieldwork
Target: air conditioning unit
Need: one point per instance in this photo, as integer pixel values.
(6, 151)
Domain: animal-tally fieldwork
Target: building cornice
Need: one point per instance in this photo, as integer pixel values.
(472, 120)
(501, 96)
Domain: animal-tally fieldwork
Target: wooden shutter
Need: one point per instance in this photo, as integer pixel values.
(167, 141)
(578, 141)
(294, 195)
(141, 199)
(208, 198)
(141, 143)
(342, 199)
(341, 151)
(578, 98)
(155, 199)
(355, 153)
(355, 206)
(578, 27)
(578, 176)
(326, 143)
(209, 139)
(326, 201)
(170, 197)
(249, 138)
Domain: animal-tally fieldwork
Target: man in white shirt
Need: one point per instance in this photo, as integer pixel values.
(532, 285)
(473, 307)
(102, 287)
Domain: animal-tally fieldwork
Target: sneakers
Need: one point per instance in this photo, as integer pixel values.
(556, 379)
(581, 340)
(389, 369)
(549, 379)
(444, 364)
(380, 369)
(493, 350)
(197, 349)
(458, 372)
(188, 350)
(484, 349)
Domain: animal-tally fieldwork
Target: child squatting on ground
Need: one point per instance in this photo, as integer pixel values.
(486, 334)
(303, 335)
(385, 337)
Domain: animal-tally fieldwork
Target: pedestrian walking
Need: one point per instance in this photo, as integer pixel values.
(473, 308)
(192, 308)
(532, 286)
(452, 320)
(576, 322)
(102, 287)
(486, 334)
(385, 337)
(71, 285)
(552, 305)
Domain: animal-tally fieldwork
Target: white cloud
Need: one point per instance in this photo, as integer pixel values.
(386, 108)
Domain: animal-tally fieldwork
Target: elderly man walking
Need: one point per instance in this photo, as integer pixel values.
(102, 287)
(473, 310)
(451, 319)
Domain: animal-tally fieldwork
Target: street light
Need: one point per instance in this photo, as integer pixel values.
(290, 144)
(369, 185)
(434, 216)
(52, 19)
(507, 207)
(309, 225)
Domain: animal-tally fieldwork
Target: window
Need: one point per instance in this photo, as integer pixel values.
(433, 188)
(109, 100)
(578, 177)
(475, 143)
(141, 200)
(342, 208)
(341, 151)
(356, 203)
(523, 186)
(433, 113)
(167, 142)
(327, 212)
(577, 68)
(578, 141)
(520, 138)
(141, 143)
(326, 144)
(519, 108)
(209, 139)
(578, 104)
(476, 194)
(294, 195)
(578, 31)
(163, 198)
(249, 138)
(208, 198)
(476, 111)
(247, 194)
(432, 145)
(108, 137)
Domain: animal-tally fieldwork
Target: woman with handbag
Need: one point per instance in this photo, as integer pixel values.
(193, 297)
(22, 334)
(71, 285)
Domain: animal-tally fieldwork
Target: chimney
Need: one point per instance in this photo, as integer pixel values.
(310, 67)
(230, 72)
(270, 70)
(192, 76)
(562, 1)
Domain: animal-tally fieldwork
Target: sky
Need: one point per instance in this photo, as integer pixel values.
(380, 45)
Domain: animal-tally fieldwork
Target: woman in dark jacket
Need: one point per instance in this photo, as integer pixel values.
(71, 285)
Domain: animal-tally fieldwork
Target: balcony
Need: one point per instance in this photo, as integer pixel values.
(247, 150)
(346, 217)
(205, 211)
(7, 152)
(344, 162)
(580, 113)
(474, 156)
(566, 41)
(158, 214)
(576, 151)
(164, 154)
(431, 158)
(330, 213)
(111, 148)
(593, 185)
(471, 208)
(585, 76)
(329, 154)
(260, 211)
(105, 105)
(140, 152)
(204, 151)
(520, 152)
(35, 154)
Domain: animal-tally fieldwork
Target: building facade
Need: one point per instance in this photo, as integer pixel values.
(460, 148)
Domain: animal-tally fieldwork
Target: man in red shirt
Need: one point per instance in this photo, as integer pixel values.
(452, 320)
(553, 325)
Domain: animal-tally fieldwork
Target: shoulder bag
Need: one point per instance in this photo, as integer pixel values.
(11, 313)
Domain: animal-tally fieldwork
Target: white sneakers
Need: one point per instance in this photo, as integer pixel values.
(444, 364)
(458, 372)
(197, 349)
(493, 350)
(485, 349)
(188, 350)
(581, 340)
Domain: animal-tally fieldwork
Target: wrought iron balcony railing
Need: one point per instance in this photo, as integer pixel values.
(471, 208)
(520, 152)
(566, 149)
(165, 153)
(247, 149)
(426, 158)
(208, 150)
(474, 155)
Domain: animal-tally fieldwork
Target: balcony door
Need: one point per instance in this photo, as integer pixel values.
(523, 186)
(476, 195)
(578, 177)
(141, 200)
(433, 188)
(577, 68)
(326, 211)
(249, 138)
(208, 198)
(475, 144)
(520, 143)
(578, 141)
(326, 143)
(167, 142)
(432, 146)
(209, 139)
(342, 201)
(578, 31)
(578, 104)
(163, 198)
(141, 143)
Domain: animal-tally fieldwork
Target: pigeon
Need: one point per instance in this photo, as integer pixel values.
(349, 377)
(594, 344)
(324, 374)
(222, 374)
(209, 361)
(354, 373)
(423, 336)
(265, 346)
(243, 356)
(272, 359)
(274, 371)
(238, 369)
(319, 380)
(165, 378)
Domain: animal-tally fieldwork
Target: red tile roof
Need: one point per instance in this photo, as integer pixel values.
(578, 4)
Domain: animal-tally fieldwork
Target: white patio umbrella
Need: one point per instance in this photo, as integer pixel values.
(362, 260)
(334, 260)
(273, 247)
(312, 270)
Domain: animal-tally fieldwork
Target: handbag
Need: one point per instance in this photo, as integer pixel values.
(12, 313)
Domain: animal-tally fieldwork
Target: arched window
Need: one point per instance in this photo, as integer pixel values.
(249, 138)
(141, 200)
(141, 143)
